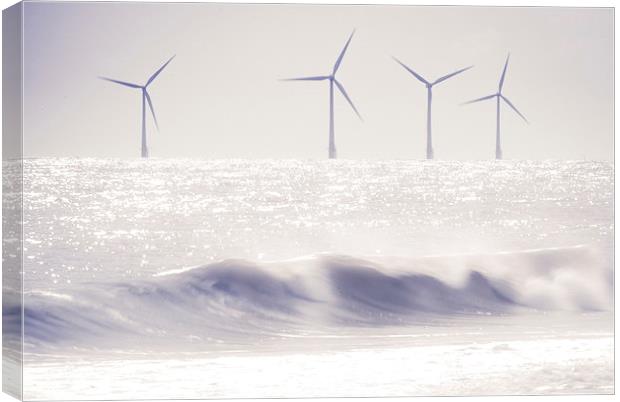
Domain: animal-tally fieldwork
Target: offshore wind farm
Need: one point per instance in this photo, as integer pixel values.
(268, 239)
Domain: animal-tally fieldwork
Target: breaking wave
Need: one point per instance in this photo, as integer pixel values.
(228, 301)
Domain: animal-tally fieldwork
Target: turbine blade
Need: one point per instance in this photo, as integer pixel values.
(479, 99)
(501, 80)
(156, 73)
(315, 78)
(445, 77)
(344, 50)
(514, 108)
(148, 99)
(418, 76)
(344, 93)
(127, 84)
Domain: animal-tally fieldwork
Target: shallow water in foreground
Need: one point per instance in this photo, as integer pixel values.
(507, 356)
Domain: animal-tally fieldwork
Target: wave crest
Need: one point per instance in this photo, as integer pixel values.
(232, 299)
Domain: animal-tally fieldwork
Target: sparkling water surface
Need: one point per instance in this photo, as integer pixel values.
(110, 219)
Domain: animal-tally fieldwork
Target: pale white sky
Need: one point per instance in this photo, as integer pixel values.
(221, 98)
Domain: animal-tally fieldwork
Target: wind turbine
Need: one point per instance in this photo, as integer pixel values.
(146, 98)
(429, 97)
(332, 81)
(499, 96)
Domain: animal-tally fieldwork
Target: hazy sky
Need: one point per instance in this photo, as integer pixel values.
(220, 97)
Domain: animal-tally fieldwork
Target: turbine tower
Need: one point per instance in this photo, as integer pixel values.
(146, 98)
(499, 96)
(429, 100)
(332, 81)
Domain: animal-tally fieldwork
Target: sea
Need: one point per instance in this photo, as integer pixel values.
(158, 273)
